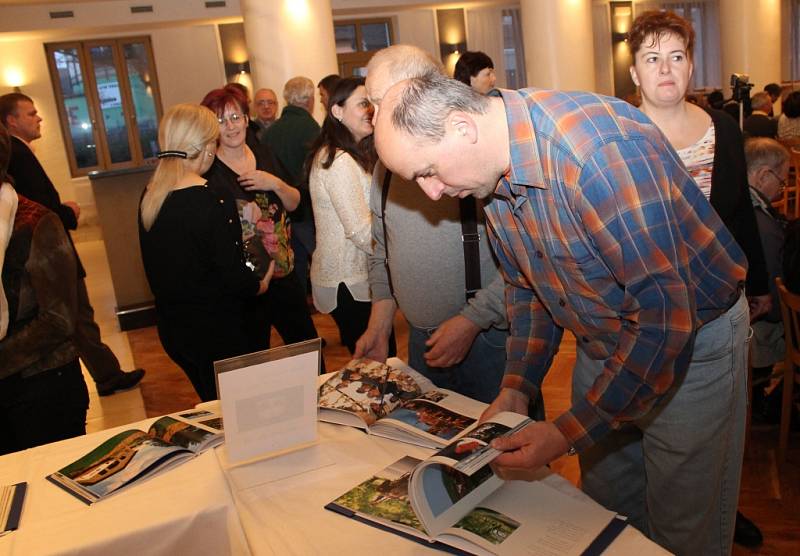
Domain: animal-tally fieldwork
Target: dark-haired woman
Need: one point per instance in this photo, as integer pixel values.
(476, 69)
(341, 162)
(247, 173)
(789, 120)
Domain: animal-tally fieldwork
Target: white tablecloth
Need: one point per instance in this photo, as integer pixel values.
(207, 507)
(187, 509)
(281, 500)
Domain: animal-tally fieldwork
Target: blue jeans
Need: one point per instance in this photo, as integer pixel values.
(675, 472)
(478, 376)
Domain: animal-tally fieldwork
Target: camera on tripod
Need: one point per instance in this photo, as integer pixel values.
(740, 82)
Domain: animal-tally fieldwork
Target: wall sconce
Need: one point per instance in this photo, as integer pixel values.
(455, 49)
(236, 70)
(14, 78)
(621, 20)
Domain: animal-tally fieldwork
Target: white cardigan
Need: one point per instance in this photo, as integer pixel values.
(340, 197)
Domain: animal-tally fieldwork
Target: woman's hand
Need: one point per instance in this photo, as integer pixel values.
(264, 284)
(259, 180)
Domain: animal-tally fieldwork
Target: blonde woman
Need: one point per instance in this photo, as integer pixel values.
(192, 258)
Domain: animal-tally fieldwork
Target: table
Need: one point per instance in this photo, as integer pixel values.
(185, 510)
(280, 501)
(207, 506)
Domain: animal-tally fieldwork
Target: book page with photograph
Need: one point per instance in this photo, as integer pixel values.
(195, 430)
(119, 461)
(394, 401)
(507, 518)
(453, 480)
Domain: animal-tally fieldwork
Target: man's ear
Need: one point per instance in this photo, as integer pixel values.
(463, 125)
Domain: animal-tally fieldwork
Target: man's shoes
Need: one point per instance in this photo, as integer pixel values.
(746, 533)
(120, 382)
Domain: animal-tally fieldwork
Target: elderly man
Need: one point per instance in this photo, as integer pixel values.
(19, 115)
(266, 110)
(599, 230)
(457, 331)
(759, 123)
(290, 139)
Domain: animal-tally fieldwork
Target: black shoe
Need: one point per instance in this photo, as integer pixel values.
(122, 381)
(746, 533)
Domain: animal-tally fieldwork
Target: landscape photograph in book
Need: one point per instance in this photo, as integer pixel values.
(179, 433)
(117, 461)
(458, 484)
(490, 525)
(431, 418)
(369, 389)
(473, 445)
(196, 414)
(385, 495)
(215, 423)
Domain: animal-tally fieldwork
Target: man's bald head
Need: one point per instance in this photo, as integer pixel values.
(397, 63)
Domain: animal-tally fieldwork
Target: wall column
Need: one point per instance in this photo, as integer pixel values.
(750, 41)
(559, 45)
(287, 38)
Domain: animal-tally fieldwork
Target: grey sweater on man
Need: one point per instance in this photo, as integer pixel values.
(426, 258)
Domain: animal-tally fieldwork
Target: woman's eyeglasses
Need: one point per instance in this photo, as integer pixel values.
(233, 118)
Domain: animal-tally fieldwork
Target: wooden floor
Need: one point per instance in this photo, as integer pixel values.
(770, 493)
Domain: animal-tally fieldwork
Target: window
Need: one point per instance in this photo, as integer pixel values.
(357, 40)
(513, 51)
(108, 102)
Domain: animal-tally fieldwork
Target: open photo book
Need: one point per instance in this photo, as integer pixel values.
(455, 499)
(394, 401)
(132, 455)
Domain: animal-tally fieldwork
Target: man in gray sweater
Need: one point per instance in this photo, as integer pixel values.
(458, 343)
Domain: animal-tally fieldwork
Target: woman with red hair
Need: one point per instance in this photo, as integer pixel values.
(248, 173)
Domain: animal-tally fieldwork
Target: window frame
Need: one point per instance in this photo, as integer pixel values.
(359, 58)
(102, 149)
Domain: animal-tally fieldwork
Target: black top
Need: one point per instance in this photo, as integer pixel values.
(258, 214)
(759, 125)
(31, 181)
(194, 263)
(730, 197)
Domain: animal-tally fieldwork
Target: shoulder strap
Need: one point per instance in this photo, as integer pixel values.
(471, 241)
(387, 179)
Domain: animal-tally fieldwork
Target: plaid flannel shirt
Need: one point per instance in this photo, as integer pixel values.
(600, 230)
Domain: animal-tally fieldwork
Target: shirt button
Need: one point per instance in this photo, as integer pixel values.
(230, 220)
(236, 242)
(539, 255)
(222, 201)
(562, 302)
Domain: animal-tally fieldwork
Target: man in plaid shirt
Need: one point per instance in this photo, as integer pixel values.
(599, 230)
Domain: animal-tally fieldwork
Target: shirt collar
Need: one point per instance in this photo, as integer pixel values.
(526, 167)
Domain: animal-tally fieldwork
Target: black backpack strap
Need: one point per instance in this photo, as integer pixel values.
(471, 241)
(387, 179)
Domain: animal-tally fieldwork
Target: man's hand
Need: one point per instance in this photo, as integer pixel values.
(760, 305)
(507, 400)
(373, 344)
(451, 341)
(75, 208)
(528, 450)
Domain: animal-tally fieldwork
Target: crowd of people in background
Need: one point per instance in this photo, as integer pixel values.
(255, 217)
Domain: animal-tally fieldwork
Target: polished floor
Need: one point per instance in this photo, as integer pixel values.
(770, 493)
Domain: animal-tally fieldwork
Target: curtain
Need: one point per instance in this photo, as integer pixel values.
(794, 41)
(485, 33)
(498, 33)
(604, 70)
(704, 15)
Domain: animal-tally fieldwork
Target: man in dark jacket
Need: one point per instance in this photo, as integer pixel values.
(290, 139)
(19, 115)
